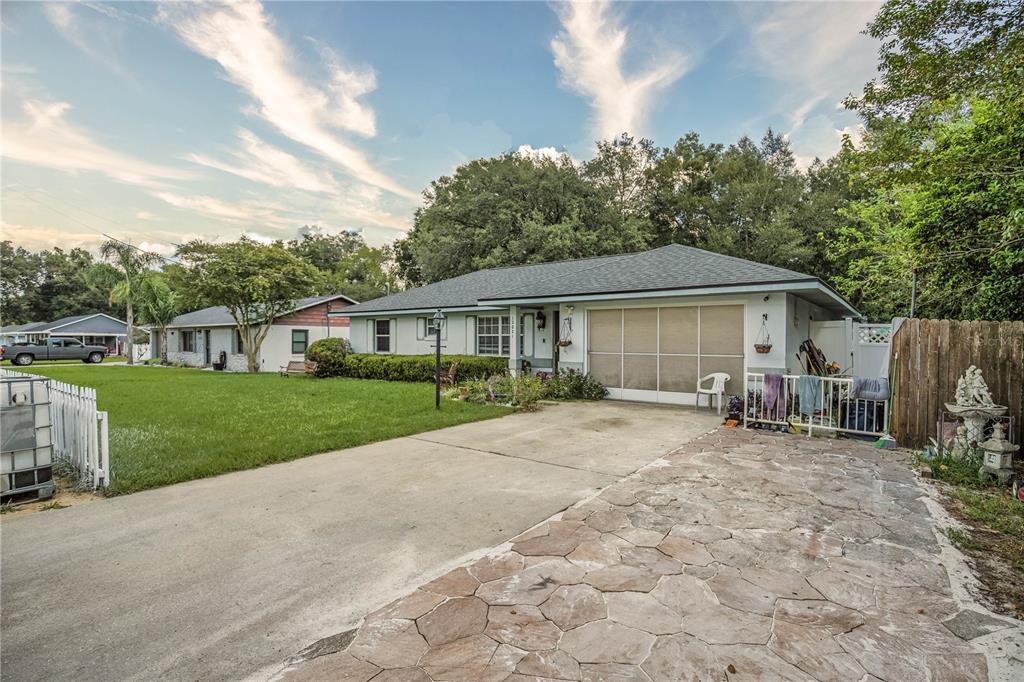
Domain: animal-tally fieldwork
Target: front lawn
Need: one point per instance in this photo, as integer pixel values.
(170, 425)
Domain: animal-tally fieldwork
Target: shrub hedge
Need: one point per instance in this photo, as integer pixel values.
(329, 355)
(418, 367)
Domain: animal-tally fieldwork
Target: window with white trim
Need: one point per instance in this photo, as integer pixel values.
(492, 335)
(300, 341)
(187, 342)
(426, 329)
(382, 336)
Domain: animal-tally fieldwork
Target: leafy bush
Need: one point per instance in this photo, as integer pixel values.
(521, 391)
(329, 355)
(956, 470)
(572, 385)
(418, 367)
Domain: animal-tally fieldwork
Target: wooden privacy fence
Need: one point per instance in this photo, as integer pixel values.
(928, 356)
(80, 433)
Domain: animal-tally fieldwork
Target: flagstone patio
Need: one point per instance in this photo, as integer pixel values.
(742, 556)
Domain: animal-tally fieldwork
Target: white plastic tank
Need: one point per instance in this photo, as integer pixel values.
(26, 447)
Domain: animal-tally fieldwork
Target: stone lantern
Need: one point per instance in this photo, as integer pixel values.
(998, 455)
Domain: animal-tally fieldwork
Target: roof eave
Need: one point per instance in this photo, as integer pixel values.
(663, 292)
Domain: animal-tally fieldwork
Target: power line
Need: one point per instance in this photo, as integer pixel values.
(98, 231)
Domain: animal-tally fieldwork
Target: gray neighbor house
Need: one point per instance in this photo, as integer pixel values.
(97, 329)
(647, 325)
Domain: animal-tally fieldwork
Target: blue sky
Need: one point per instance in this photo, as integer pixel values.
(163, 122)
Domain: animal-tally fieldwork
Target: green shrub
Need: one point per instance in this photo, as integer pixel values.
(329, 355)
(572, 385)
(419, 367)
(521, 391)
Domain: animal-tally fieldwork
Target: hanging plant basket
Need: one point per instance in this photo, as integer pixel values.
(763, 342)
(565, 343)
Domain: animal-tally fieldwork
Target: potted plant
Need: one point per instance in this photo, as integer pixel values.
(763, 342)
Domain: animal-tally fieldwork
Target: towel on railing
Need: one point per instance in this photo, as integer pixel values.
(869, 389)
(774, 397)
(810, 394)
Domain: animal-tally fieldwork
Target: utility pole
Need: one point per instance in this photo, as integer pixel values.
(913, 290)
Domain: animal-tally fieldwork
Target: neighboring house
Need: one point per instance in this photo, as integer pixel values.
(98, 329)
(199, 337)
(646, 325)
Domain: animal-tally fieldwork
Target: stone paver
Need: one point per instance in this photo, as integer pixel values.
(740, 556)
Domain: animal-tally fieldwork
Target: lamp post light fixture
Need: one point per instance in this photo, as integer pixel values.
(438, 322)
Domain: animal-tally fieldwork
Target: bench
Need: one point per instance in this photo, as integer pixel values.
(297, 367)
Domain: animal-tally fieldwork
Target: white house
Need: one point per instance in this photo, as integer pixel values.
(199, 337)
(647, 325)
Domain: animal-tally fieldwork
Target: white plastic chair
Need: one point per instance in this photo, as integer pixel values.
(717, 388)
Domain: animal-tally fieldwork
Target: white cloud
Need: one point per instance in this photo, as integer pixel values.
(240, 37)
(542, 153)
(92, 39)
(589, 53)
(260, 161)
(817, 53)
(144, 215)
(231, 211)
(48, 139)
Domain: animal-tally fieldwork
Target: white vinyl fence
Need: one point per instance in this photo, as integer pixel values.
(833, 410)
(80, 433)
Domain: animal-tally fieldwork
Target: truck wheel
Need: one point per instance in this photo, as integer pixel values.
(95, 358)
(24, 359)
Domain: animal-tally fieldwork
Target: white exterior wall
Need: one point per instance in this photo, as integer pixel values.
(275, 351)
(787, 324)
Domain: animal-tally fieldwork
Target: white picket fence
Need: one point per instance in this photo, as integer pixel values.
(833, 409)
(80, 433)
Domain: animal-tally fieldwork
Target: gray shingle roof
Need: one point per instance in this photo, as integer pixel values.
(216, 316)
(669, 267)
(96, 322)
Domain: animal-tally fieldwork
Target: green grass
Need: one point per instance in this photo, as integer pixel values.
(170, 425)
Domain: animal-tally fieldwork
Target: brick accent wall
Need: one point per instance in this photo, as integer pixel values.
(315, 316)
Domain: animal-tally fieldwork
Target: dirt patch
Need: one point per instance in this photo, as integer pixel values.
(66, 496)
(995, 554)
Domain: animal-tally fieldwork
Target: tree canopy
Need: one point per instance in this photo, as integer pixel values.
(255, 282)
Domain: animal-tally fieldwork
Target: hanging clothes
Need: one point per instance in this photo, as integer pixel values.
(775, 397)
(869, 389)
(810, 394)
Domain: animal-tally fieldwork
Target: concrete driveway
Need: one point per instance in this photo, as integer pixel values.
(226, 577)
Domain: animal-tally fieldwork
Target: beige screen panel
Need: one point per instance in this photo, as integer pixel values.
(721, 329)
(606, 369)
(605, 331)
(678, 373)
(640, 372)
(640, 330)
(678, 330)
(731, 366)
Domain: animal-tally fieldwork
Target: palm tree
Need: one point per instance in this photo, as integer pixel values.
(132, 264)
(158, 305)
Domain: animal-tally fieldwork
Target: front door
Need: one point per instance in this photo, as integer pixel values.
(206, 346)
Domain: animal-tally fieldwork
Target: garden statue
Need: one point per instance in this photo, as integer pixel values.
(998, 453)
(958, 446)
(974, 404)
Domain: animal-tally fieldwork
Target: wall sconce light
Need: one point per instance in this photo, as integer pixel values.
(766, 298)
(542, 320)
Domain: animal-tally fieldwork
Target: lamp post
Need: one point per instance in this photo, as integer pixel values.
(438, 321)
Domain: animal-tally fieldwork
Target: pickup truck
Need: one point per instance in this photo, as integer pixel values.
(25, 353)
